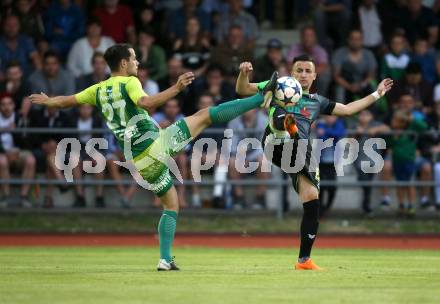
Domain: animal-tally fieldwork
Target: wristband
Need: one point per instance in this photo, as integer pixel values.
(376, 95)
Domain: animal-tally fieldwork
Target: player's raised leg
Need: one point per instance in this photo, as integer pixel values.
(229, 110)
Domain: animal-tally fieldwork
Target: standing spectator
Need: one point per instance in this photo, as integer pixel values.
(16, 87)
(239, 17)
(396, 60)
(98, 74)
(151, 55)
(179, 18)
(80, 55)
(370, 24)
(330, 127)
(10, 155)
(31, 22)
(193, 48)
(270, 61)
(419, 21)
(46, 152)
(414, 84)
(150, 86)
(331, 20)
(366, 129)
(63, 24)
(52, 80)
(117, 21)
(425, 59)
(15, 46)
(234, 51)
(255, 120)
(86, 121)
(171, 113)
(434, 125)
(354, 67)
(403, 147)
(309, 45)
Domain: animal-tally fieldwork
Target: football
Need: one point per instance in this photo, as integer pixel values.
(288, 90)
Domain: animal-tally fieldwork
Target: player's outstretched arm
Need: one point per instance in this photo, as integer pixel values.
(363, 103)
(54, 102)
(152, 102)
(243, 87)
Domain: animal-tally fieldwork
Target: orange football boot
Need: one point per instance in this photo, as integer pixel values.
(290, 125)
(307, 265)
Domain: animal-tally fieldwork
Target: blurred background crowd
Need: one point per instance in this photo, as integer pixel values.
(57, 47)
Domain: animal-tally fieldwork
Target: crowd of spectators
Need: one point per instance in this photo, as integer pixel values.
(57, 47)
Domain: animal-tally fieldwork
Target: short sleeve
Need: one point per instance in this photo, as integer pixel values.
(326, 106)
(135, 90)
(87, 96)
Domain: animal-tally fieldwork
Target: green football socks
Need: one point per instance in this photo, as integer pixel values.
(229, 110)
(166, 229)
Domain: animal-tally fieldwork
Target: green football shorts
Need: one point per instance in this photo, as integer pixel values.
(152, 163)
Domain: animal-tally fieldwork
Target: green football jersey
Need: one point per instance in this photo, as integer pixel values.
(117, 98)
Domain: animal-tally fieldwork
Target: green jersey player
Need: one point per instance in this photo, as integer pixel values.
(125, 107)
(294, 121)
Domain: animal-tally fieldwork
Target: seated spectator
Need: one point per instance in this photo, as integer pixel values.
(63, 24)
(396, 60)
(12, 156)
(52, 79)
(329, 127)
(193, 48)
(151, 55)
(171, 112)
(16, 87)
(117, 21)
(99, 72)
(354, 67)
(255, 120)
(366, 128)
(150, 86)
(213, 84)
(80, 55)
(237, 16)
(179, 18)
(309, 45)
(174, 70)
(146, 18)
(403, 147)
(331, 21)
(235, 50)
(31, 22)
(46, 151)
(412, 83)
(17, 47)
(419, 21)
(270, 61)
(425, 59)
(84, 120)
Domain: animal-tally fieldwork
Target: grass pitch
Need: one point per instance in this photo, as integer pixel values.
(249, 276)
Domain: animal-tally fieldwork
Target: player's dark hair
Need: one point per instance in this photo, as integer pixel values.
(303, 57)
(114, 55)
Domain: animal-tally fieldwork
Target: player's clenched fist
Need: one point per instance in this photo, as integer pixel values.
(185, 80)
(246, 67)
